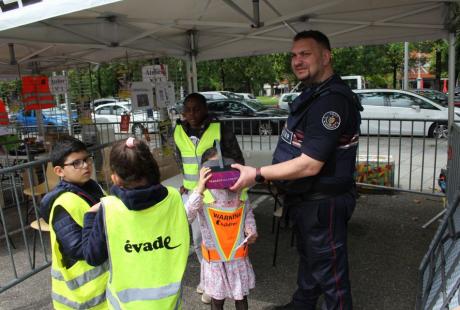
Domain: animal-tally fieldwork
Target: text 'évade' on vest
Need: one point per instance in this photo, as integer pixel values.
(227, 229)
(81, 286)
(148, 251)
(191, 153)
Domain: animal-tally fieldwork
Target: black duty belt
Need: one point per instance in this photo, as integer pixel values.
(323, 192)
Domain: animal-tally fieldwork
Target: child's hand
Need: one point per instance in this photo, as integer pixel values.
(95, 208)
(205, 175)
(252, 236)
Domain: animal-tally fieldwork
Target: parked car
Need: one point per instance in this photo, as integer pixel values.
(437, 96)
(213, 95)
(139, 120)
(399, 104)
(247, 96)
(54, 119)
(100, 101)
(285, 99)
(229, 108)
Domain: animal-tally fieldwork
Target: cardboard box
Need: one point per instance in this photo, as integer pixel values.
(376, 170)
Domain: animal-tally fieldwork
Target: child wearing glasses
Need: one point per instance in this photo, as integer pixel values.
(75, 284)
(141, 229)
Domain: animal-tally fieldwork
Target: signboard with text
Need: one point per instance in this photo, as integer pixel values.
(155, 73)
(58, 84)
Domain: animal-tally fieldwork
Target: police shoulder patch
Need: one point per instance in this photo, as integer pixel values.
(331, 120)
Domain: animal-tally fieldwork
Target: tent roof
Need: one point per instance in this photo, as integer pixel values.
(222, 28)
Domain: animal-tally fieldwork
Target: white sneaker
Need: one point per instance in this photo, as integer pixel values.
(205, 298)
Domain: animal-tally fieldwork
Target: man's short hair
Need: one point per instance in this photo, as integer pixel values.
(63, 148)
(316, 35)
(196, 97)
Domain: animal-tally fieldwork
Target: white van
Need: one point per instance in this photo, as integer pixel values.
(355, 81)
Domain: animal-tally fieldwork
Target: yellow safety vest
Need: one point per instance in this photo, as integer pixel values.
(148, 251)
(226, 227)
(191, 154)
(82, 286)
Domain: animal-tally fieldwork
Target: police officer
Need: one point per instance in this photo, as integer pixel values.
(313, 164)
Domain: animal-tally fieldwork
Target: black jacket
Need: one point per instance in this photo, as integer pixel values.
(68, 232)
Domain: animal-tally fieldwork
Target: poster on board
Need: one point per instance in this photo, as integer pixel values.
(143, 96)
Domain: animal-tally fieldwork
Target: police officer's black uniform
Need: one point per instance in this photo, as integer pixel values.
(323, 124)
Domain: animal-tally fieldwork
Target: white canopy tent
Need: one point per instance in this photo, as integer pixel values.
(60, 33)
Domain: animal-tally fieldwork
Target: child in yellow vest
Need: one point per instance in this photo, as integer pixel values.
(227, 224)
(142, 230)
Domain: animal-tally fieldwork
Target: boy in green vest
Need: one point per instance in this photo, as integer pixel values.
(75, 284)
(192, 136)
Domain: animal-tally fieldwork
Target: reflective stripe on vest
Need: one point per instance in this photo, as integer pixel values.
(226, 225)
(82, 279)
(74, 305)
(135, 294)
(191, 154)
(81, 284)
(154, 241)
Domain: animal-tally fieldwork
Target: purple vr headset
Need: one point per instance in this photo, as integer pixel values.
(223, 175)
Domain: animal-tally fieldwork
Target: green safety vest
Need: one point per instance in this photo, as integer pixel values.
(191, 154)
(82, 286)
(148, 251)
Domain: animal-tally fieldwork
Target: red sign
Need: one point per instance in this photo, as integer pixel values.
(3, 114)
(124, 124)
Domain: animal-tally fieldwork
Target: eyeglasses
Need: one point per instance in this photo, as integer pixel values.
(80, 163)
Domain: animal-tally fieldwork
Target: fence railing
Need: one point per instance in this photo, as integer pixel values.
(438, 273)
(400, 154)
(453, 166)
(21, 185)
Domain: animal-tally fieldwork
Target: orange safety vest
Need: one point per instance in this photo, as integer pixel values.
(227, 229)
(36, 93)
(4, 120)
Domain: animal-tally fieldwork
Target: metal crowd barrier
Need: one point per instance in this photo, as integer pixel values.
(439, 280)
(453, 166)
(393, 154)
(22, 185)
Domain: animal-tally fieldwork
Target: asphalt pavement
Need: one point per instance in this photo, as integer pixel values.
(386, 245)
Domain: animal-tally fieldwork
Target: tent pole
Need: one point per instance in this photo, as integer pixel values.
(406, 66)
(68, 107)
(193, 59)
(188, 75)
(451, 74)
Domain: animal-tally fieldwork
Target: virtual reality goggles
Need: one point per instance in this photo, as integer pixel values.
(223, 175)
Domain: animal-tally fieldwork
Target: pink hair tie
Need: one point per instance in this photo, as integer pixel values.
(130, 142)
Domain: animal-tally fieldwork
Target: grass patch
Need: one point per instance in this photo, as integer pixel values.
(268, 100)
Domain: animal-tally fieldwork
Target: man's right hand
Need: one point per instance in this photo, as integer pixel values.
(246, 179)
